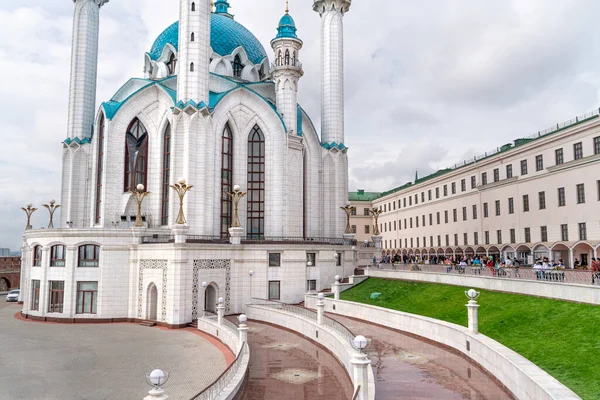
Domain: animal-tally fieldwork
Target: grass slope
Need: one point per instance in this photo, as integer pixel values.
(560, 337)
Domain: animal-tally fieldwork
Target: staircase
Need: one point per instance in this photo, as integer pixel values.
(147, 323)
(193, 324)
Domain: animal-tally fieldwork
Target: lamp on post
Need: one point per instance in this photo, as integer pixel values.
(51, 208)
(360, 361)
(243, 328)
(473, 310)
(139, 194)
(250, 274)
(308, 274)
(29, 211)
(348, 210)
(181, 188)
(157, 379)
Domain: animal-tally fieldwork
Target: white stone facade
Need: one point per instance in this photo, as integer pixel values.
(171, 124)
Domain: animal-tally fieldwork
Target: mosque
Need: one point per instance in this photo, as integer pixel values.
(214, 111)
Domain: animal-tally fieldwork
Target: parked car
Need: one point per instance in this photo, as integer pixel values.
(13, 295)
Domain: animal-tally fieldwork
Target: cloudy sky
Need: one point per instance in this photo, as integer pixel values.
(429, 83)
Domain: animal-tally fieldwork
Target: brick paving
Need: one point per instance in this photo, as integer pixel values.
(99, 362)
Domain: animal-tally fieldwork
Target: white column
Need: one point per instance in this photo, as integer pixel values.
(361, 362)
(220, 313)
(320, 310)
(571, 259)
(473, 312)
(243, 333)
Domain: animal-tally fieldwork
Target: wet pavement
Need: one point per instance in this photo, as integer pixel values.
(286, 366)
(408, 368)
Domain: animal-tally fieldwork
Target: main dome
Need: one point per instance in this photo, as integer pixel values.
(226, 34)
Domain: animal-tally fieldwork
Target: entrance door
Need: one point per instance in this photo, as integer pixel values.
(210, 299)
(152, 302)
(584, 259)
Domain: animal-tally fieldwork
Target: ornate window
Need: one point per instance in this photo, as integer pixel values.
(171, 64)
(237, 67)
(136, 156)
(287, 57)
(57, 256)
(166, 172)
(256, 184)
(37, 256)
(89, 255)
(99, 168)
(226, 179)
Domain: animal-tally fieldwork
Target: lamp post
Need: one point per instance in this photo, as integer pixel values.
(243, 329)
(473, 310)
(320, 308)
(360, 361)
(181, 188)
(308, 265)
(28, 211)
(157, 379)
(348, 210)
(250, 274)
(236, 196)
(139, 194)
(51, 208)
(336, 288)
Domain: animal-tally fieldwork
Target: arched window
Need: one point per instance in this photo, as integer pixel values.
(279, 58)
(89, 255)
(287, 57)
(136, 156)
(226, 179)
(166, 172)
(192, 37)
(192, 67)
(57, 256)
(256, 184)
(237, 67)
(193, 6)
(99, 168)
(171, 64)
(37, 256)
(294, 58)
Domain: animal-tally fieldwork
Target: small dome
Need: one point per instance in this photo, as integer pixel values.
(286, 27)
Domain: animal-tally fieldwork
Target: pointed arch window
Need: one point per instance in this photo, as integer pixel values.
(193, 37)
(99, 169)
(192, 67)
(226, 179)
(256, 184)
(294, 58)
(166, 173)
(279, 58)
(237, 66)
(193, 6)
(171, 64)
(136, 156)
(287, 57)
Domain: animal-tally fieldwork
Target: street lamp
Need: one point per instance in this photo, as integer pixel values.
(51, 208)
(472, 294)
(139, 194)
(157, 379)
(360, 343)
(28, 211)
(236, 196)
(181, 187)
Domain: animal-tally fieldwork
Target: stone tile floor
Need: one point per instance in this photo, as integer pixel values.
(99, 362)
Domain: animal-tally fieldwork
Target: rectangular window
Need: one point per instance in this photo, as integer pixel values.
(513, 236)
(418, 243)
(404, 202)
(475, 238)
(511, 205)
(465, 238)
(385, 208)
(463, 185)
(399, 204)
(274, 259)
(486, 234)
(582, 231)
(562, 201)
(394, 225)
(439, 240)
(473, 182)
(339, 259)
(486, 211)
(367, 228)
(539, 162)
(353, 228)
(525, 203)
(484, 178)
(437, 192)
(89, 256)
(497, 207)
(542, 198)
(274, 290)
(447, 240)
(35, 295)
(598, 189)
(578, 151)
(455, 215)
(366, 212)
(353, 210)
(410, 220)
(422, 197)
(410, 200)
(430, 219)
(37, 255)
(544, 233)
(509, 172)
(446, 216)
(597, 145)
(445, 190)
(87, 297)
(580, 193)
(57, 256)
(453, 187)
(499, 236)
(456, 239)
(564, 232)
(423, 219)
(474, 211)
(464, 213)
(496, 174)
(311, 285)
(411, 242)
(523, 167)
(56, 296)
(416, 199)
(559, 156)
(416, 222)
(437, 215)
(527, 235)
(429, 195)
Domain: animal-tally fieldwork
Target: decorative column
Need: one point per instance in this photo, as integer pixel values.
(320, 309)
(220, 311)
(473, 311)
(361, 363)
(336, 288)
(243, 329)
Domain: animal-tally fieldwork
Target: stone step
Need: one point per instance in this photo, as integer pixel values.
(148, 323)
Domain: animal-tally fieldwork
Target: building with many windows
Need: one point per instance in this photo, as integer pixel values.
(536, 197)
(212, 108)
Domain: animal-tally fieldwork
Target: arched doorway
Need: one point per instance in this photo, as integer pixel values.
(210, 298)
(152, 302)
(4, 285)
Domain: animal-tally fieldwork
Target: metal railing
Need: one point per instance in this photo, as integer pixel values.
(217, 387)
(579, 277)
(206, 239)
(158, 239)
(356, 393)
(298, 240)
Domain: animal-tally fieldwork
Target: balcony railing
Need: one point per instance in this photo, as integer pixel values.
(206, 239)
(199, 239)
(158, 239)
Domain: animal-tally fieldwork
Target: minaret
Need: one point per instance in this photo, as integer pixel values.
(287, 70)
(84, 68)
(332, 68)
(194, 50)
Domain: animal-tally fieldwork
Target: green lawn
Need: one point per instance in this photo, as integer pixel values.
(560, 337)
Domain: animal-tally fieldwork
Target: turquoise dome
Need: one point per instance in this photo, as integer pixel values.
(286, 27)
(226, 34)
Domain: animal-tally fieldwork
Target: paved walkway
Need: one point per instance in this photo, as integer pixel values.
(408, 368)
(40, 361)
(287, 366)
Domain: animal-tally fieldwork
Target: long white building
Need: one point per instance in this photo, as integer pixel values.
(536, 197)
